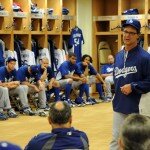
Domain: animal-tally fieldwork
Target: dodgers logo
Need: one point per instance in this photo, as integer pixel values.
(124, 71)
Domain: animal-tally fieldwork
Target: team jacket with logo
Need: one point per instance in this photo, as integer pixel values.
(135, 70)
(60, 139)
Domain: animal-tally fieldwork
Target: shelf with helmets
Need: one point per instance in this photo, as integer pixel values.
(41, 20)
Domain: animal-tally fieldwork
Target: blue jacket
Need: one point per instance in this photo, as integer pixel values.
(6, 76)
(67, 68)
(135, 70)
(107, 69)
(91, 69)
(59, 139)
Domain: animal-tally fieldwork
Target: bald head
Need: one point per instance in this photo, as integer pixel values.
(60, 113)
(110, 59)
(59, 105)
(44, 62)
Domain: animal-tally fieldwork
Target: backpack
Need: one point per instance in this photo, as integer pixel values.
(104, 51)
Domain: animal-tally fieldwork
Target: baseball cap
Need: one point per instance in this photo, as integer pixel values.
(134, 23)
(34, 69)
(11, 59)
(9, 146)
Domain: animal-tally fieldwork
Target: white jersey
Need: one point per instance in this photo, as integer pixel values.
(44, 53)
(10, 53)
(28, 57)
(59, 57)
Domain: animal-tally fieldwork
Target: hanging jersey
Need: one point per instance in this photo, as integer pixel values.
(27, 57)
(2, 53)
(44, 53)
(59, 58)
(76, 41)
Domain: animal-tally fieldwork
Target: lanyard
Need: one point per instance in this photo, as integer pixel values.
(125, 57)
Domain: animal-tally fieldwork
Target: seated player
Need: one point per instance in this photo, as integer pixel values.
(107, 75)
(29, 75)
(47, 75)
(10, 86)
(69, 80)
(93, 77)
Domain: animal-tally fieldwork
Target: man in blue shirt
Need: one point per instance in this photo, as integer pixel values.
(71, 78)
(131, 77)
(63, 136)
(29, 76)
(10, 86)
(47, 75)
(107, 75)
(93, 77)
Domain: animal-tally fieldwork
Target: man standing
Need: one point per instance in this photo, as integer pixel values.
(107, 74)
(63, 136)
(131, 77)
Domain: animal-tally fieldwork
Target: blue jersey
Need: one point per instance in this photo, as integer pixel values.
(24, 75)
(59, 139)
(76, 40)
(67, 68)
(91, 69)
(6, 76)
(50, 73)
(135, 70)
(107, 69)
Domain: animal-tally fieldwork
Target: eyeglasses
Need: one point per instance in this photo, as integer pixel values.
(130, 33)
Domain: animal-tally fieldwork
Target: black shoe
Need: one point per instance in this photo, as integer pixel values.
(28, 112)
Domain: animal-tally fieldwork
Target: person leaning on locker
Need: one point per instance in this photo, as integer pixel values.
(131, 77)
(9, 86)
(47, 75)
(29, 76)
(62, 136)
(135, 133)
(107, 75)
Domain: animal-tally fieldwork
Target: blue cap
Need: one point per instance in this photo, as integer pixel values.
(134, 23)
(9, 146)
(34, 69)
(11, 59)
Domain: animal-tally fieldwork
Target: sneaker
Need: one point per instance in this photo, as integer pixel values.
(109, 99)
(73, 103)
(41, 113)
(90, 101)
(103, 98)
(3, 116)
(47, 108)
(11, 113)
(94, 100)
(28, 111)
(80, 102)
(68, 101)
